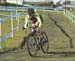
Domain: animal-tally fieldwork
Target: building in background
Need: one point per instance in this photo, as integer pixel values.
(20, 2)
(2, 1)
(38, 0)
(29, 2)
(32, 1)
(25, 2)
(70, 4)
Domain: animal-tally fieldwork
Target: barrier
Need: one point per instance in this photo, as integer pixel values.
(10, 34)
(0, 32)
(38, 8)
(70, 15)
(3, 15)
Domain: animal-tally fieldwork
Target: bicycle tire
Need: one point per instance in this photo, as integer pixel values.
(31, 53)
(45, 50)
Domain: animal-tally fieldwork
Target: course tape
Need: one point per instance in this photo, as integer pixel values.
(14, 29)
(70, 15)
(8, 10)
(6, 37)
(1, 21)
(13, 16)
(3, 15)
(9, 34)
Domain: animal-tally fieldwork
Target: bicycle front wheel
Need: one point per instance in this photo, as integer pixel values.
(44, 42)
(31, 45)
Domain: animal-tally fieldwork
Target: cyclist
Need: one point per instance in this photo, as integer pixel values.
(36, 21)
(35, 18)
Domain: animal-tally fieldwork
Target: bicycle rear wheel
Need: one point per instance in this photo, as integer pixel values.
(32, 45)
(44, 42)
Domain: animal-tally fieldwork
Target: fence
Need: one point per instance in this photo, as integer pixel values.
(38, 8)
(70, 15)
(10, 33)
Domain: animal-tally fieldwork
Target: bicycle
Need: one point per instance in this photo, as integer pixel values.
(36, 42)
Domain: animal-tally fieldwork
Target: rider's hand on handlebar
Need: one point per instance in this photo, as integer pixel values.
(24, 29)
(33, 26)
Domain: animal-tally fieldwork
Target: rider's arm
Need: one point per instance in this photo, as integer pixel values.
(26, 22)
(39, 20)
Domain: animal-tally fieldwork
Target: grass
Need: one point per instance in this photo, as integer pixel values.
(6, 28)
(58, 42)
(9, 43)
(66, 24)
(73, 11)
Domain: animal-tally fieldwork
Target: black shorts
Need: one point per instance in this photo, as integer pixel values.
(34, 20)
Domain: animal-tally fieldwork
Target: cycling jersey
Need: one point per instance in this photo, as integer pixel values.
(29, 20)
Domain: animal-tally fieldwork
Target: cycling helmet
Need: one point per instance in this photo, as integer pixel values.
(30, 10)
